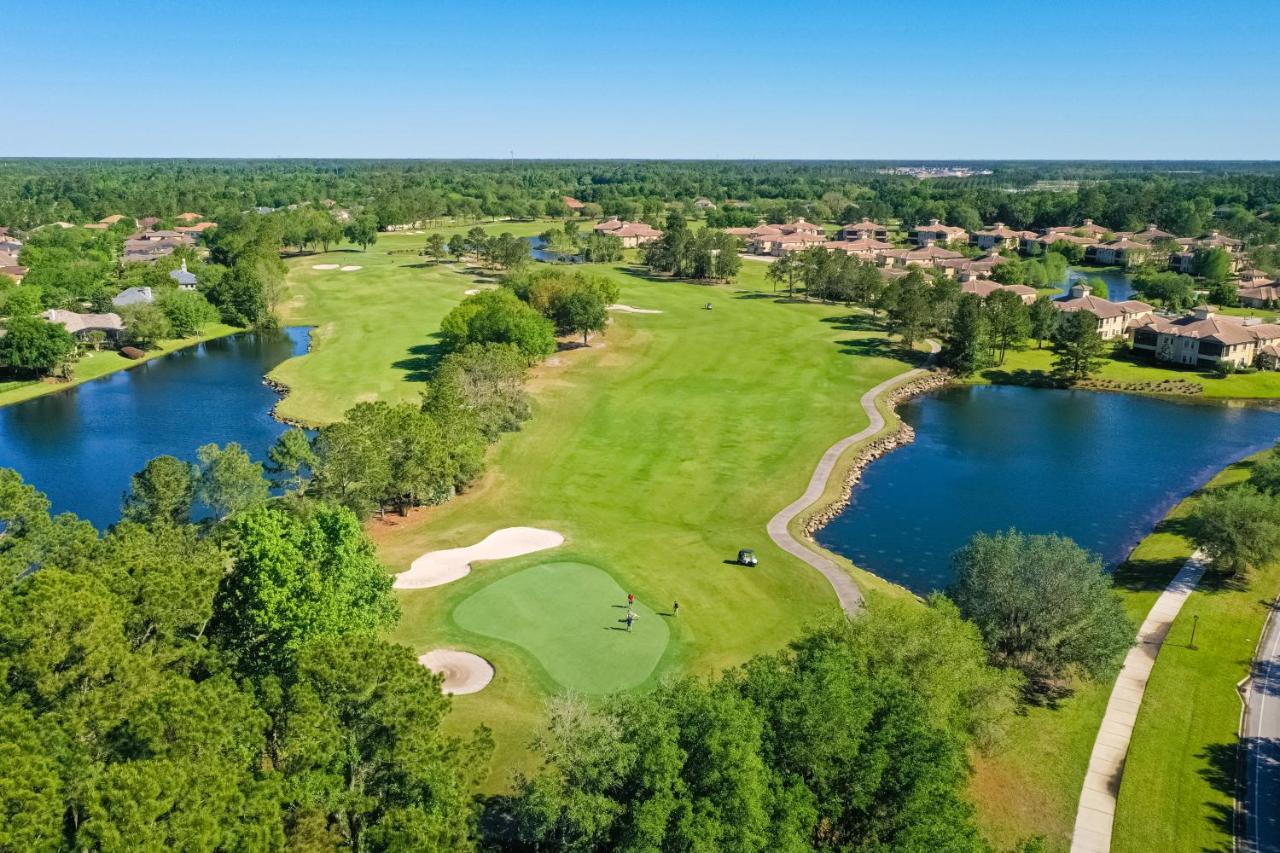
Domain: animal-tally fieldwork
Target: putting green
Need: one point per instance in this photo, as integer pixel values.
(570, 617)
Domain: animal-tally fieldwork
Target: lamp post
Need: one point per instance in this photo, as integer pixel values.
(1195, 620)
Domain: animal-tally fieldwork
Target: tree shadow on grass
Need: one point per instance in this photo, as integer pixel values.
(876, 348)
(422, 361)
(1222, 767)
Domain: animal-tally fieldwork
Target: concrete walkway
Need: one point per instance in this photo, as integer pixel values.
(1097, 809)
(846, 590)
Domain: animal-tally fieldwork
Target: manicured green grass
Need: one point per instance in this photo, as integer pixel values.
(1030, 785)
(1179, 777)
(101, 363)
(571, 618)
(1031, 365)
(373, 327)
(658, 452)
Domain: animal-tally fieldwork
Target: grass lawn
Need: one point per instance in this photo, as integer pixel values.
(1178, 787)
(1031, 365)
(373, 326)
(101, 363)
(658, 452)
(1046, 753)
(571, 618)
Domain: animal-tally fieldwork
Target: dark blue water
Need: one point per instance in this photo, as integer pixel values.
(1100, 468)
(80, 446)
(538, 253)
(1119, 285)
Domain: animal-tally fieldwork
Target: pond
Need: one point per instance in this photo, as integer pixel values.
(538, 252)
(1100, 468)
(80, 446)
(1119, 284)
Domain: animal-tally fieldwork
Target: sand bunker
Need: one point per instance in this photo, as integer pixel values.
(473, 291)
(324, 266)
(439, 567)
(352, 268)
(627, 309)
(463, 672)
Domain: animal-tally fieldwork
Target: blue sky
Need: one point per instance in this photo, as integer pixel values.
(642, 79)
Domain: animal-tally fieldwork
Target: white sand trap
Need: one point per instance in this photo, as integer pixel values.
(324, 266)
(473, 291)
(439, 567)
(628, 309)
(352, 268)
(463, 672)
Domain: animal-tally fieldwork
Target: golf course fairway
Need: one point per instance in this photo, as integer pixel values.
(572, 618)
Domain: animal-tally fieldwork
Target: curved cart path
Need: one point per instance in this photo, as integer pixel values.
(846, 590)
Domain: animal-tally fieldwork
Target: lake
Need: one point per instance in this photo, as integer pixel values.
(1119, 284)
(1100, 468)
(80, 446)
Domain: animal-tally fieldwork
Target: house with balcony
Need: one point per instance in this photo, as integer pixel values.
(1203, 339)
(864, 230)
(1115, 319)
(1121, 252)
(936, 232)
(998, 237)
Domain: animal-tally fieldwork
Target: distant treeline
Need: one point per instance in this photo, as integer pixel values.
(1182, 197)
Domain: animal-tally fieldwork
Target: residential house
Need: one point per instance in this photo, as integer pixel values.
(133, 296)
(999, 236)
(1085, 229)
(926, 256)
(764, 239)
(1042, 243)
(936, 232)
(1259, 293)
(82, 325)
(972, 269)
(632, 234)
(186, 280)
(1184, 261)
(984, 288)
(188, 217)
(1114, 318)
(1250, 277)
(1203, 339)
(797, 241)
(572, 203)
(864, 230)
(1122, 252)
(201, 227)
(865, 248)
(1151, 234)
(146, 223)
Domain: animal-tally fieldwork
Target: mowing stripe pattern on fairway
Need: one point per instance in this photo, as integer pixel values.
(572, 618)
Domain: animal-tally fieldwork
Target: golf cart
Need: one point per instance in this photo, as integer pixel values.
(747, 557)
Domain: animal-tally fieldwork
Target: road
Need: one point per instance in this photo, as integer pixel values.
(1260, 799)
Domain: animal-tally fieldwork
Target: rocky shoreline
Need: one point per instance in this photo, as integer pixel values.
(876, 448)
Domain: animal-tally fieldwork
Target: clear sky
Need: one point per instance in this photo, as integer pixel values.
(994, 79)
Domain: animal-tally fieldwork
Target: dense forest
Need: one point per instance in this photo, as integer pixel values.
(1186, 198)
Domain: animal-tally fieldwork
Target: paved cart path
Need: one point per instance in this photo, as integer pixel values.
(846, 590)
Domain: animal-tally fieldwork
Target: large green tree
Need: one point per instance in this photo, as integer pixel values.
(161, 493)
(32, 347)
(1078, 347)
(1044, 605)
(1237, 527)
(297, 575)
